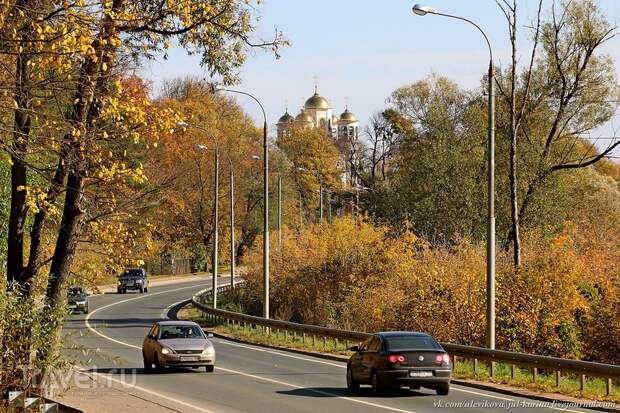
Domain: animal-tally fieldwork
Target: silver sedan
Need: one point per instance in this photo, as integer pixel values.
(177, 344)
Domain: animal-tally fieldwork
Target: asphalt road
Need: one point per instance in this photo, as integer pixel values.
(247, 378)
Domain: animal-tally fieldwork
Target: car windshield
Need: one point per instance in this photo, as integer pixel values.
(180, 331)
(132, 273)
(76, 291)
(396, 343)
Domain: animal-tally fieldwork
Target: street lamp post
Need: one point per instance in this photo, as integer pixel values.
(216, 227)
(232, 214)
(279, 212)
(265, 203)
(216, 197)
(422, 11)
(232, 225)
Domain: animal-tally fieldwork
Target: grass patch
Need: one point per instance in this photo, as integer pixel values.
(595, 388)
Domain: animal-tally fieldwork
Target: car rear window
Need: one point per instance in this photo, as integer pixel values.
(180, 331)
(411, 343)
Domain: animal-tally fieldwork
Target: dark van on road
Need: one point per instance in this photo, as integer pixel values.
(133, 279)
(399, 358)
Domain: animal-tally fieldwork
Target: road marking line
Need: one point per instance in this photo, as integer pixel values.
(321, 392)
(220, 341)
(281, 354)
(87, 319)
(164, 314)
(324, 393)
(145, 390)
(277, 353)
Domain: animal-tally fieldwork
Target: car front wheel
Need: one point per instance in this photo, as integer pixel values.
(352, 385)
(156, 362)
(148, 366)
(210, 369)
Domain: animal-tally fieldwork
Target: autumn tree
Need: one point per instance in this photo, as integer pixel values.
(70, 108)
(566, 90)
(314, 160)
(184, 162)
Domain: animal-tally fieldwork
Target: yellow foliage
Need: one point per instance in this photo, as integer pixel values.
(563, 301)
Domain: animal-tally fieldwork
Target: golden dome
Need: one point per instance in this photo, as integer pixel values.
(286, 118)
(335, 119)
(317, 101)
(347, 117)
(303, 117)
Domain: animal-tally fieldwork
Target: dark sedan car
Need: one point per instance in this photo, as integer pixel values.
(398, 358)
(77, 299)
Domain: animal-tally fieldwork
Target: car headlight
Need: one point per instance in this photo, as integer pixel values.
(208, 350)
(166, 350)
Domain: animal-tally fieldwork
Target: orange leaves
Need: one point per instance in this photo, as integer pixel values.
(564, 301)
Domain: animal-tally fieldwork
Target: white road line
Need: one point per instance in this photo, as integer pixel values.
(283, 355)
(329, 363)
(324, 393)
(145, 390)
(92, 313)
(164, 314)
(321, 392)
(460, 389)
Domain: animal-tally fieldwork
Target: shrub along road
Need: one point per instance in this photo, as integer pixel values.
(247, 378)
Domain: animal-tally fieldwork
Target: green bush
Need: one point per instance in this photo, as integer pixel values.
(28, 329)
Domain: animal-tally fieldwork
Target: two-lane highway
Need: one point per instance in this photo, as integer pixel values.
(247, 378)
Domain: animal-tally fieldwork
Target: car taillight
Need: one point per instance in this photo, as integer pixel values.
(442, 358)
(397, 358)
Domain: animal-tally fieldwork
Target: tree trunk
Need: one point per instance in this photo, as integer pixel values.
(19, 179)
(514, 201)
(70, 226)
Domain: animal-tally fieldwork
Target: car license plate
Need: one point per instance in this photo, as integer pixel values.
(420, 374)
(189, 358)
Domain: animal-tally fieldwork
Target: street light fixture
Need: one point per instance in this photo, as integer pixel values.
(203, 147)
(265, 199)
(422, 11)
(279, 221)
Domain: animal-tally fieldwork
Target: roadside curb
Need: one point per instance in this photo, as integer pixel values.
(501, 389)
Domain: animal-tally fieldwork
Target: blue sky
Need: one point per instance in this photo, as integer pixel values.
(361, 50)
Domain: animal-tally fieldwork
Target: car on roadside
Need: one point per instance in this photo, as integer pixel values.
(77, 299)
(390, 360)
(177, 344)
(133, 279)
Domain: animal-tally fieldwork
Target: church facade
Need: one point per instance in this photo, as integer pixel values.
(342, 129)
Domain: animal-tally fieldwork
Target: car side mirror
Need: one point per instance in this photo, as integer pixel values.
(355, 349)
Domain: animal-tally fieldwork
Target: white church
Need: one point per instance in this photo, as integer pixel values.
(317, 113)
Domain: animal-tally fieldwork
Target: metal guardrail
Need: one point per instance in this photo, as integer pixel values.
(19, 402)
(534, 362)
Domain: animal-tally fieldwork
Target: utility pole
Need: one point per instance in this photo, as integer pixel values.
(216, 227)
(490, 313)
(232, 225)
(280, 212)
